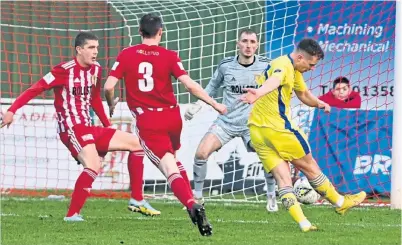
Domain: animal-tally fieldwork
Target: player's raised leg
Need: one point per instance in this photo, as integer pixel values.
(274, 163)
(324, 187)
(80, 140)
(209, 144)
(123, 141)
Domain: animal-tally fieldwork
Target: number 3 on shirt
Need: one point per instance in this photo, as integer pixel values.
(146, 84)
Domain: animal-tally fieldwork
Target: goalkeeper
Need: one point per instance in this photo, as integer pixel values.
(233, 74)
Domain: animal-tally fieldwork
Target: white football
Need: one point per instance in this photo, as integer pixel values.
(304, 192)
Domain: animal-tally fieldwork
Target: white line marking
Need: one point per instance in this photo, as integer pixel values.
(158, 219)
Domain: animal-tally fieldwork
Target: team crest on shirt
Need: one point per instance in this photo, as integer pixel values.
(94, 80)
(259, 78)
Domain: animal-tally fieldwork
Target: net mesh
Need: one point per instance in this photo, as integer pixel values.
(36, 36)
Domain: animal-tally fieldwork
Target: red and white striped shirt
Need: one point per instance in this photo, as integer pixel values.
(75, 89)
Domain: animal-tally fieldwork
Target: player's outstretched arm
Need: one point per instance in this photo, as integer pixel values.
(195, 89)
(253, 94)
(111, 82)
(311, 100)
(47, 82)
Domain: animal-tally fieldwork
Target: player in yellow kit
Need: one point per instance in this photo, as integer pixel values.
(278, 140)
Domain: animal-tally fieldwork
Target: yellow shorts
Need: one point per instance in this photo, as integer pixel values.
(273, 147)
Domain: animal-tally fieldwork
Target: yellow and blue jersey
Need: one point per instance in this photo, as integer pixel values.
(274, 136)
(273, 110)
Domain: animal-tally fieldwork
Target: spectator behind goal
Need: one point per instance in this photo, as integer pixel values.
(341, 95)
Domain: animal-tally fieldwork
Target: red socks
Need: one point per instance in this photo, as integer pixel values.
(183, 174)
(136, 170)
(180, 190)
(82, 190)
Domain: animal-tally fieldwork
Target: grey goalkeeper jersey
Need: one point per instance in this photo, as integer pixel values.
(233, 77)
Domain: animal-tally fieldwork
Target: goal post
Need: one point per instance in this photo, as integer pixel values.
(396, 180)
(351, 146)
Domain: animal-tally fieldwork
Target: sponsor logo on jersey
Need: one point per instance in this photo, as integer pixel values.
(145, 52)
(78, 91)
(259, 78)
(87, 137)
(238, 89)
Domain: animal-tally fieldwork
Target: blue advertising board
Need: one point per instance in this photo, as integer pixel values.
(353, 148)
(358, 38)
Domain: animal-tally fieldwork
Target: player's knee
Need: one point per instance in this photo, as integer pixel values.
(309, 167)
(202, 154)
(268, 175)
(168, 165)
(133, 144)
(89, 158)
(92, 162)
(282, 175)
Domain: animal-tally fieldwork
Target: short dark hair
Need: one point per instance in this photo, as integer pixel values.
(340, 80)
(82, 38)
(247, 31)
(311, 47)
(150, 25)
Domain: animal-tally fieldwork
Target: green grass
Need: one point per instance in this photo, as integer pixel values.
(40, 221)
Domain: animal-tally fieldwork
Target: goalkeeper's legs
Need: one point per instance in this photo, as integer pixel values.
(209, 144)
(272, 206)
(324, 187)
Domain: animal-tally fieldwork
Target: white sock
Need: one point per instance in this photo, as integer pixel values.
(198, 194)
(304, 224)
(271, 194)
(340, 202)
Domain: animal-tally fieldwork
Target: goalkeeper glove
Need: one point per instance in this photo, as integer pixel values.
(192, 110)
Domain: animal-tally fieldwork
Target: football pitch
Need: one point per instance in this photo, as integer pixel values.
(40, 221)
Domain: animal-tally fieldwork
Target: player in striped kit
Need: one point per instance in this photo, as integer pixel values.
(233, 74)
(76, 86)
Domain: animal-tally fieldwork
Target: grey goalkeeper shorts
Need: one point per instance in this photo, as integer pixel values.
(225, 134)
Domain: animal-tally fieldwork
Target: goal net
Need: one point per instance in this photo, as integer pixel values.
(353, 147)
